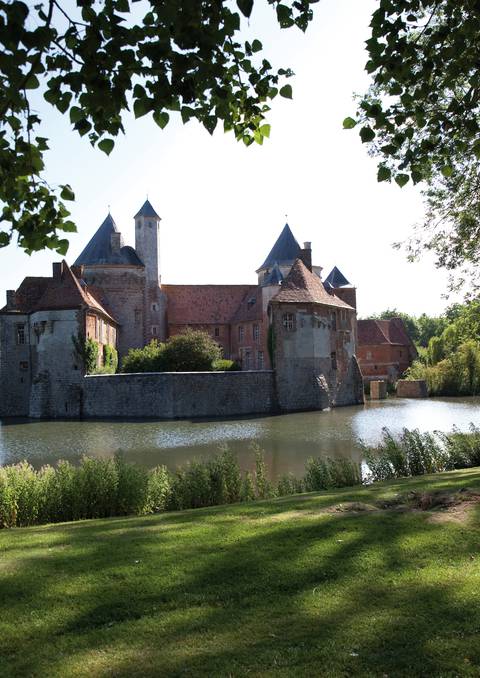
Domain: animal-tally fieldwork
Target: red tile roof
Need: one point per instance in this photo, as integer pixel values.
(203, 304)
(393, 331)
(303, 286)
(250, 308)
(63, 292)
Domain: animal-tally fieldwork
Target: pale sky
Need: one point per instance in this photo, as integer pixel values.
(223, 205)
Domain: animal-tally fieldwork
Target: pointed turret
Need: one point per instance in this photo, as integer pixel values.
(285, 250)
(303, 286)
(106, 247)
(147, 210)
(147, 241)
(336, 279)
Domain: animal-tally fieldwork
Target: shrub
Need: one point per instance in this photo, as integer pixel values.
(192, 351)
(224, 365)
(150, 358)
(110, 359)
(86, 351)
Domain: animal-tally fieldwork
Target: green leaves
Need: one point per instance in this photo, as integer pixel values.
(384, 173)
(97, 63)
(367, 134)
(106, 145)
(67, 193)
(245, 6)
(402, 179)
(286, 91)
(349, 123)
(161, 118)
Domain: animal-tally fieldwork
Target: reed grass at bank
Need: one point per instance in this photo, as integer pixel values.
(101, 488)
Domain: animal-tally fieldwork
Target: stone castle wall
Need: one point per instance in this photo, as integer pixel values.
(176, 395)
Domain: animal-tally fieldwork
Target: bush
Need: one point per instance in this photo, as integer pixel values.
(224, 365)
(150, 358)
(456, 375)
(192, 351)
(110, 359)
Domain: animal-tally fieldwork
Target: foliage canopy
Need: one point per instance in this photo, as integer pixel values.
(96, 60)
(420, 117)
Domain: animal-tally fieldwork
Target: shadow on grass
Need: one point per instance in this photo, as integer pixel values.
(214, 593)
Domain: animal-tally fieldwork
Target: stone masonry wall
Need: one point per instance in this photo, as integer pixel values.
(416, 388)
(175, 395)
(15, 367)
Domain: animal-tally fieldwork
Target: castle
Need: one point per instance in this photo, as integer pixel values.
(290, 322)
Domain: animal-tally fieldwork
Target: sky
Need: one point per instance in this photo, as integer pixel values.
(223, 205)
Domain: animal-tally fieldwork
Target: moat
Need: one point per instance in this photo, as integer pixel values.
(288, 440)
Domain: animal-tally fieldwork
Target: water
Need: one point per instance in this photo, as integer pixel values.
(288, 440)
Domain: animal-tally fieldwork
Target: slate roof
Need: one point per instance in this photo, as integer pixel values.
(99, 249)
(285, 250)
(303, 286)
(203, 304)
(373, 332)
(146, 210)
(336, 279)
(275, 277)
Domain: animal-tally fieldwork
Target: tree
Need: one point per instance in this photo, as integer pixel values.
(94, 60)
(420, 117)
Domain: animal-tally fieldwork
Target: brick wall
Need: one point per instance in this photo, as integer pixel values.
(176, 395)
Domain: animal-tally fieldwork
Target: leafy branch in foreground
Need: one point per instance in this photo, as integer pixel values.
(96, 60)
(420, 117)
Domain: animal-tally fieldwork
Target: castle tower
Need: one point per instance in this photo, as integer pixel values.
(147, 241)
(147, 246)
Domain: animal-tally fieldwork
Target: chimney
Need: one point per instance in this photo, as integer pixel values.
(306, 255)
(11, 304)
(116, 242)
(58, 270)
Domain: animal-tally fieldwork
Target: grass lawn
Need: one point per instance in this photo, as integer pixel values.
(280, 588)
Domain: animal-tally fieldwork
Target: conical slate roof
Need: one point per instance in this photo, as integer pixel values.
(147, 210)
(303, 286)
(285, 250)
(99, 249)
(336, 279)
(275, 277)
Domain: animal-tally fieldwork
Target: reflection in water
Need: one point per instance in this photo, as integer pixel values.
(288, 440)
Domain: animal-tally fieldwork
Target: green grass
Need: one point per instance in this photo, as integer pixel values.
(274, 588)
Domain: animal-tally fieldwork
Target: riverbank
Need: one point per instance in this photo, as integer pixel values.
(346, 582)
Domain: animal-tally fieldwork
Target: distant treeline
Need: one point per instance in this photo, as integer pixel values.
(448, 347)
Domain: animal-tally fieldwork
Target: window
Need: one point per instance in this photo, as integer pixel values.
(333, 357)
(154, 330)
(256, 332)
(247, 360)
(288, 321)
(241, 333)
(217, 332)
(138, 315)
(21, 336)
(23, 365)
(333, 318)
(96, 327)
(154, 307)
(100, 330)
(251, 302)
(369, 355)
(260, 360)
